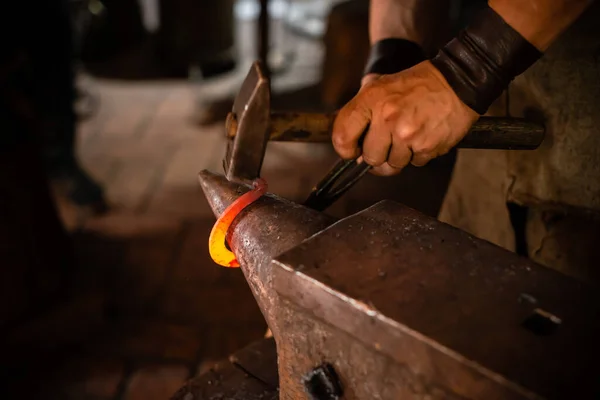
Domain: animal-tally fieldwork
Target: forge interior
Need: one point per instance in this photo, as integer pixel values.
(109, 110)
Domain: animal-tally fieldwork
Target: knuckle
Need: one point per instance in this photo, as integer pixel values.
(343, 147)
(339, 139)
(406, 130)
(389, 110)
(423, 149)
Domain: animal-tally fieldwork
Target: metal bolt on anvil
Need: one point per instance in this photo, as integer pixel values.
(322, 383)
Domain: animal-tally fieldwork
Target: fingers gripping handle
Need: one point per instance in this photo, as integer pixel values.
(486, 133)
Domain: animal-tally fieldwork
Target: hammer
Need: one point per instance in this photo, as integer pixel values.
(251, 124)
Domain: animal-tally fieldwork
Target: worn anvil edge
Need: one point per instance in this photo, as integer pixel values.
(364, 312)
(375, 314)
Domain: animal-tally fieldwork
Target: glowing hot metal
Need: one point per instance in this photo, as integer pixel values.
(216, 242)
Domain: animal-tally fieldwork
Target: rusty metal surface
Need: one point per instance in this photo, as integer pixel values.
(403, 305)
(251, 108)
(263, 230)
(232, 381)
(364, 372)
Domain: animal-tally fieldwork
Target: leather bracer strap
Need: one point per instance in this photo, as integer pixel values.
(389, 56)
(483, 59)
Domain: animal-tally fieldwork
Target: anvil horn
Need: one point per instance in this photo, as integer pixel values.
(262, 231)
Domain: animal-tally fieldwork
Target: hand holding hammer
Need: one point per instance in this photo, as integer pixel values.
(251, 124)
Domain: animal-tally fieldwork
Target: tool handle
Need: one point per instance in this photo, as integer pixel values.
(503, 133)
(301, 127)
(486, 133)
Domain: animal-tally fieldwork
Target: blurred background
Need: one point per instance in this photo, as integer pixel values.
(109, 109)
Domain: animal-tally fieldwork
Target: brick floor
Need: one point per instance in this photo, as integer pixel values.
(156, 339)
(91, 378)
(156, 382)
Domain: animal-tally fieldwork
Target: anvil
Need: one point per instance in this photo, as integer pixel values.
(391, 304)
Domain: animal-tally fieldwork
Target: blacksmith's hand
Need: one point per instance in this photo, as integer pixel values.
(422, 112)
(412, 117)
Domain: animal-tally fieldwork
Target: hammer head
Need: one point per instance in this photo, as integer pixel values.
(248, 124)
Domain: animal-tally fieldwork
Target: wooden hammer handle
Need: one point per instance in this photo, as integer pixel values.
(301, 127)
(486, 133)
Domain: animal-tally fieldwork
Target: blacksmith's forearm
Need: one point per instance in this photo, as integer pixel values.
(539, 21)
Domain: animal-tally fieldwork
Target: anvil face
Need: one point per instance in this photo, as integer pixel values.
(402, 306)
(405, 306)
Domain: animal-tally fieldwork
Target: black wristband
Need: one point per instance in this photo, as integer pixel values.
(389, 56)
(480, 63)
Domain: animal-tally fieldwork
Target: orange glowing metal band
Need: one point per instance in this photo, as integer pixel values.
(216, 242)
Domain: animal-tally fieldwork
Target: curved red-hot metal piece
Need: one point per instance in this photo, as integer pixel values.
(216, 241)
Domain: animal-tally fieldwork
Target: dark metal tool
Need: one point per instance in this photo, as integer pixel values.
(486, 133)
(343, 175)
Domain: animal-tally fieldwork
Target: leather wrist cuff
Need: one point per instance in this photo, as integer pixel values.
(480, 63)
(389, 56)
